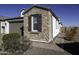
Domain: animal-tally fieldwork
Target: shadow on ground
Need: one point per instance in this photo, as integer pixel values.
(72, 48)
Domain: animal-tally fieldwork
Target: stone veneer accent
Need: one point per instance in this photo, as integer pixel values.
(45, 34)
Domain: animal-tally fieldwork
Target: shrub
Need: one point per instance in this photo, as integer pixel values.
(14, 44)
(26, 43)
(11, 41)
(70, 33)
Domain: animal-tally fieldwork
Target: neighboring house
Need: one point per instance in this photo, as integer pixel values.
(41, 24)
(1, 22)
(12, 25)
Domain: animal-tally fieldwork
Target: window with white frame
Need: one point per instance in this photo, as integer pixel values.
(34, 23)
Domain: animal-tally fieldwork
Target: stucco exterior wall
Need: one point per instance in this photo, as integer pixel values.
(44, 35)
(2, 24)
(56, 27)
(6, 25)
(0, 27)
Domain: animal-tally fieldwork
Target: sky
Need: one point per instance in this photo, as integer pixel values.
(68, 13)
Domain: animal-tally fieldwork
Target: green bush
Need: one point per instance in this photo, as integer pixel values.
(11, 41)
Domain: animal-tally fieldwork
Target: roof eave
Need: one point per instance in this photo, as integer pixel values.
(41, 8)
(13, 18)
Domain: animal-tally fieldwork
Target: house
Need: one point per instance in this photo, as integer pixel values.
(11, 25)
(41, 24)
(38, 23)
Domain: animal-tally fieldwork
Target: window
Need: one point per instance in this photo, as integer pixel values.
(34, 23)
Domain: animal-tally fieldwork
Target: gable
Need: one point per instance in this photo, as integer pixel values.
(38, 7)
(41, 9)
(36, 10)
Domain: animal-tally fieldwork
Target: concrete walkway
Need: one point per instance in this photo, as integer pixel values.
(60, 38)
(42, 51)
(51, 45)
(45, 49)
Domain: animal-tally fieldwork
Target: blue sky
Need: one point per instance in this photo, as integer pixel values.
(68, 13)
